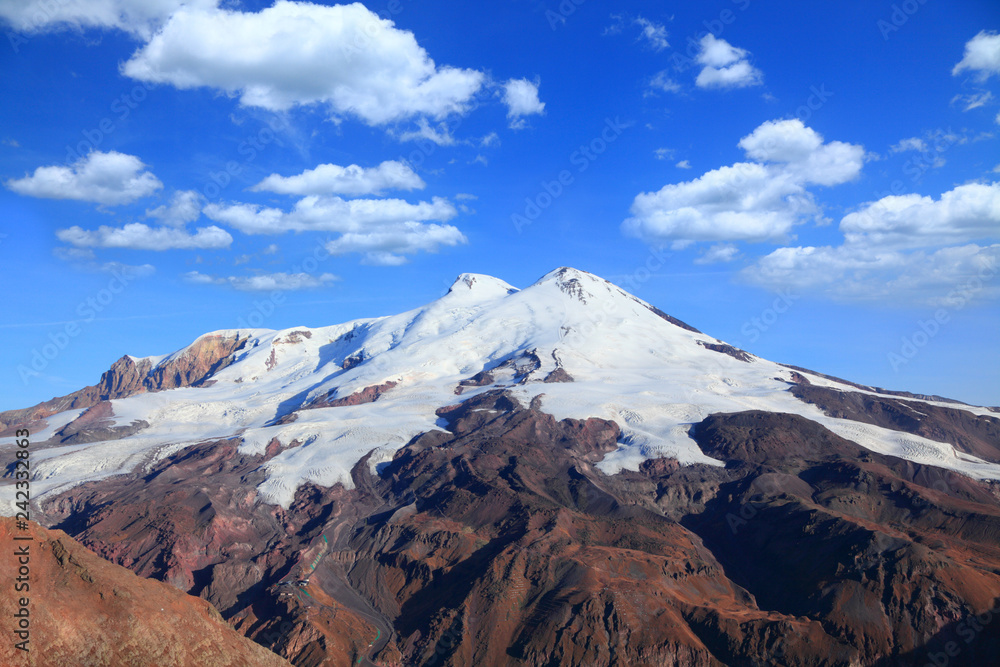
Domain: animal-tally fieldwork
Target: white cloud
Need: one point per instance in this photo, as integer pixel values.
(521, 98)
(662, 82)
(973, 100)
(110, 178)
(439, 134)
(184, 207)
(683, 164)
(724, 65)
(751, 201)
(809, 160)
(982, 55)
(966, 213)
(911, 144)
(329, 214)
(491, 139)
(386, 246)
(350, 180)
(722, 252)
(948, 277)
(343, 57)
(137, 236)
(664, 153)
(265, 282)
(131, 271)
(74, 254)
(654, 33)
(892, 251)
(139, 17)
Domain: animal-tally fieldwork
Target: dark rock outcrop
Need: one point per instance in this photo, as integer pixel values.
(499, 543)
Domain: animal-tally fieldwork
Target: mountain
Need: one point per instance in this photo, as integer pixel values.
(84, 610)
(559, 475)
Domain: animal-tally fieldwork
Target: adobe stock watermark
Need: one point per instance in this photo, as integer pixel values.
(363, 39)
(598, 317)
(749, 510)
(251, 146)
(425, 147)
(757, 326)
(565, 9)
(121, 108)
(47, 10)
(900, 14)
(966, 632)
(926, 330)
(581, 158)
(265, 308)
(87, 310)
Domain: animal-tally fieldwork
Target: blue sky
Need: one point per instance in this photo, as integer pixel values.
(819, 187)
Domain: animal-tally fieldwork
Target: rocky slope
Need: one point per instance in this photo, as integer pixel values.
(561, 475)
(87, 611)
(498, 542)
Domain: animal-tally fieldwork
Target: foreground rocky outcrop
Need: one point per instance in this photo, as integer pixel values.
(86, 611)
(499, 543)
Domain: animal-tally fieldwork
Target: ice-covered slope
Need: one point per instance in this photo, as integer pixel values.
(626, 362)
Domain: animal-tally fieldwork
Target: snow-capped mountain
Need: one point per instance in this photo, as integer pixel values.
(573, 341)
(559, 475)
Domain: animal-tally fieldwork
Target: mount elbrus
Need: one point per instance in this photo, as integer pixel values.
(559, 475)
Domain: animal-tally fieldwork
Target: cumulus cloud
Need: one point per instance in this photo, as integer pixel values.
(965, 213)
(749, 201)
(110, 179)
(184, 207)
(982, 56)
(137, 236)
(332, 179)
(949, 277)
(328, 214)
(343, 57)
(139, 17)
(893, 250)
(724, 65)
(266, 282)
(521, 98)
(388, 245)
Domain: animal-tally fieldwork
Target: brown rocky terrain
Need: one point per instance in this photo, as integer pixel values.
(125, 378)
(86, 611)
(499, 543)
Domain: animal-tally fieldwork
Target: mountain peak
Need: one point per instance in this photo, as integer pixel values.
(480, 284)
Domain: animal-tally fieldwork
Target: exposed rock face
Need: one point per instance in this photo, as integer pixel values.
(977, 435)
(94, 425)
(878, 390)
(673, 320)
(87, 611)
(208, 355)
(499, 543)
(366, 395)
(125, 378)
(734, 352)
